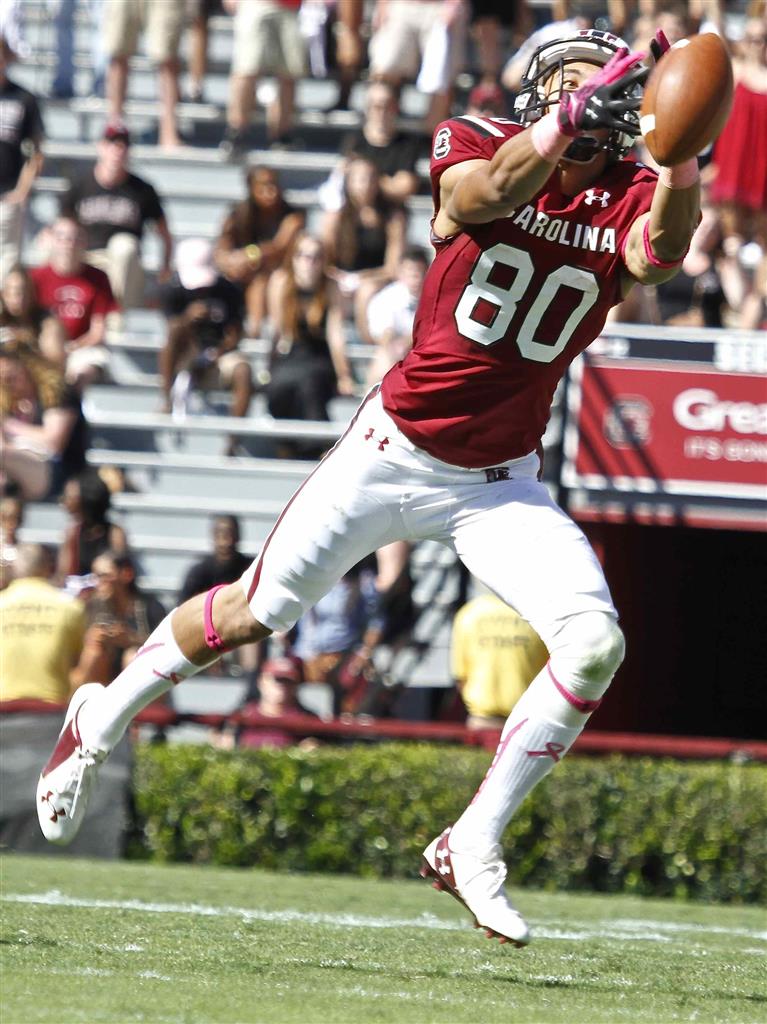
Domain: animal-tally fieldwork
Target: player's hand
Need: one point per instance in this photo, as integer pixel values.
(603, 101)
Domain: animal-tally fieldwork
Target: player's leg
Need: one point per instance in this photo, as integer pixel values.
(536, 558)
(334, 519)
(516, 540)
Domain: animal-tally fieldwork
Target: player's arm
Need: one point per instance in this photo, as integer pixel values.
(658, 241)
(479, 191)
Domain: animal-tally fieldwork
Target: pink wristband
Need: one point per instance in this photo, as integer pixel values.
(548, 140)
(680, 175)
(663, 264)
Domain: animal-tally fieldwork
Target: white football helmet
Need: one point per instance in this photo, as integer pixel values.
(532, 103)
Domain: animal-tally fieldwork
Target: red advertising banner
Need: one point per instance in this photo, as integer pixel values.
(661, 428)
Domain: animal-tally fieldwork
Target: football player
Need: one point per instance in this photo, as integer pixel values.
(541, 224)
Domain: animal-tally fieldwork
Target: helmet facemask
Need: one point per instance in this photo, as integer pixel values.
(533, 100)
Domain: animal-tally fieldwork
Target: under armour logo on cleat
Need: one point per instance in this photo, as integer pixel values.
(551, 750)
(56, 813)
(381, 441)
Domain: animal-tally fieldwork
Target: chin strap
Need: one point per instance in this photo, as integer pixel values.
(212, 636)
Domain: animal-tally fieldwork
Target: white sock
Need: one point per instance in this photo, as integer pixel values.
(158, 665)
(540, 730)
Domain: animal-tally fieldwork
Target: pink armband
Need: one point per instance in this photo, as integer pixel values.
(663, 264)
(680, 175)
(212, 636)
(548, 139)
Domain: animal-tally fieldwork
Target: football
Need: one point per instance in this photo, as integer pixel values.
(687, 99)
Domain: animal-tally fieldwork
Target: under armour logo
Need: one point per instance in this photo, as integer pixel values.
(443, 867)
(56, 813)
(381, 441)
(593, 196)
(552, 750)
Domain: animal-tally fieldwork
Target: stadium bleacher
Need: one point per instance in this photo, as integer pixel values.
(178, 470)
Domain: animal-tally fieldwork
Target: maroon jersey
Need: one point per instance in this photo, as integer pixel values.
(76, 298)
(506, 306)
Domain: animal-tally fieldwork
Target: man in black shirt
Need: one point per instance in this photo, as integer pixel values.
(393, 152)
(21, 128)
(205, 313)
(225, 565)
(113, 206)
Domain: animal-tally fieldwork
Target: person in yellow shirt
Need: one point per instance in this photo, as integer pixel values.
(495, 655)
(41, 631)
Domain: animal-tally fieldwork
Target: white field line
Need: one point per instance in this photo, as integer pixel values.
(626, 930)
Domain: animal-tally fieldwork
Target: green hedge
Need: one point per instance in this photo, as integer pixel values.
(649, 827)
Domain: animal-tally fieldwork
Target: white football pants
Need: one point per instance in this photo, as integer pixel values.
(375, 487)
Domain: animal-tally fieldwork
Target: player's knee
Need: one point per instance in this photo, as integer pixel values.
(593, 645)
(234, 620)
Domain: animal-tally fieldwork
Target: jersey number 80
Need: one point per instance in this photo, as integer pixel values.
(507, 300)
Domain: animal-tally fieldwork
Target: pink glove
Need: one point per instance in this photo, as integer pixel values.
(604, 100)
(659, 45)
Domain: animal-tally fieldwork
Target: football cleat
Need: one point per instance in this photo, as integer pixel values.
(66, 782)
(477, 883)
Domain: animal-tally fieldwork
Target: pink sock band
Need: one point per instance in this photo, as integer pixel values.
(584, 706)
(212, 637)
(680, 175)
(547, 138)
(663, 264)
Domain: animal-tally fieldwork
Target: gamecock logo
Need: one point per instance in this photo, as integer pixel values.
(627, 423)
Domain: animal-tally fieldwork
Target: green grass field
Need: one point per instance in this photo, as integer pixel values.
(92, 942)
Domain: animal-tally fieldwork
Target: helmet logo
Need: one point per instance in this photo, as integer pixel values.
(597, 195)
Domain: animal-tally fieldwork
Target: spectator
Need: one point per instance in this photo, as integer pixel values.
(394, 153)
(21, 161)
(204, 313)
(163, 21)
(579, 19)
(80, 297)
(267, 41)
(740, 185)
(63, 86)
(430, 34)
(495, 655)
(119, 618)
(489, 19)
(41, 629)
(24, 321)
(364, 239)
(349, 54)
(308, 362)
(278, 684)
(225, 565)
(44, 433)
(336, 638)
(202, 11)
(257, 235)
(41, 633)
(90, 532)
(391, 312)
(114, 206)
(486, 100)
(11, 518)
